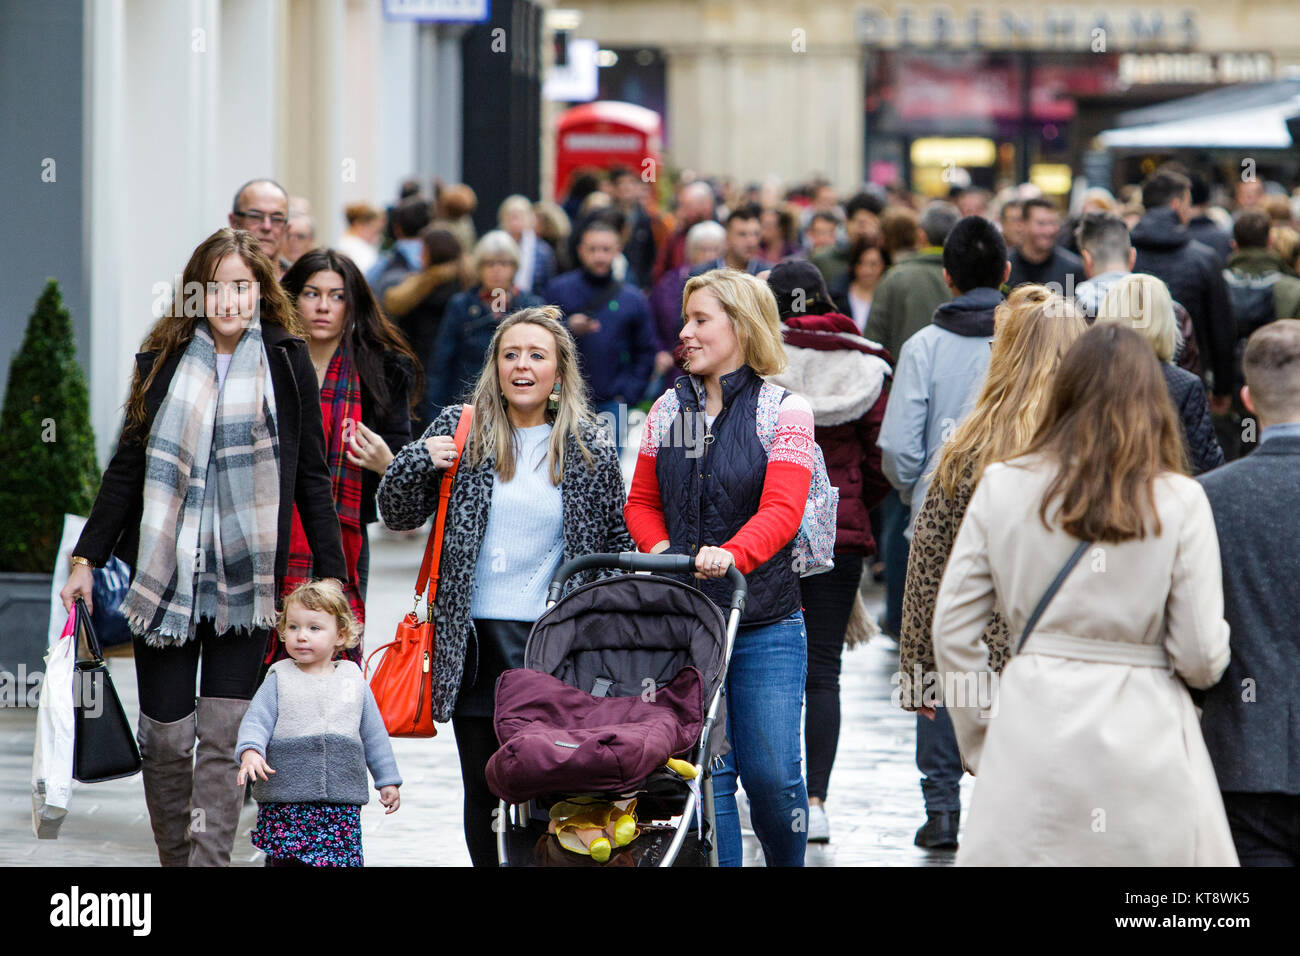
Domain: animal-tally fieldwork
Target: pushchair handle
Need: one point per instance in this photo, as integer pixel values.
(635, 561)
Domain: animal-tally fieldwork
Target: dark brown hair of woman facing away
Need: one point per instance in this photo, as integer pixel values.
(1111, 429)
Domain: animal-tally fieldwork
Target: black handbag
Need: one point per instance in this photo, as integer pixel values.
(103, 743)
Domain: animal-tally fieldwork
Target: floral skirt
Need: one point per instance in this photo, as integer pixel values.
(314, 834)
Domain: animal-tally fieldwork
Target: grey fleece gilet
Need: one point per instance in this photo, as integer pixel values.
(318, 732)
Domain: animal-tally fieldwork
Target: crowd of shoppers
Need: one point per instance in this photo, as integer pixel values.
(940, 357)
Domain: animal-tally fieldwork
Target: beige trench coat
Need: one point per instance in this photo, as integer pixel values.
(1089, 751)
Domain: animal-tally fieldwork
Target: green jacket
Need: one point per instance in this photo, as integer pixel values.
(906, 298)
(832, 262)
(1258, 262)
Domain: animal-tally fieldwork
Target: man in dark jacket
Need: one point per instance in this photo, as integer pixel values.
(1192, 273)
(1039, 259)
(612, 324)
(1251, 720)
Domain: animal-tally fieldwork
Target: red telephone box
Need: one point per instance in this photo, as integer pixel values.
(604, 134)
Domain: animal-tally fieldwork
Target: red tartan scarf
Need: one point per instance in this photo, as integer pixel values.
(340, 408)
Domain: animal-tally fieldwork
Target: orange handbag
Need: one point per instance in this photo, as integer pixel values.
(403, 681)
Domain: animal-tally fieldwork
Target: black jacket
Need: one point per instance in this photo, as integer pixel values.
(114, 523)
(1204, 230)
(1194, 276)
(1188, 395)
(1251, 722)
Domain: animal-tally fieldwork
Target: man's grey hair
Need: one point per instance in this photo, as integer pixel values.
(702, 232)
(234, 204)
(937, 221)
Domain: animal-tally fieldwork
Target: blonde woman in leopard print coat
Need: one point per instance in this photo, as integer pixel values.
(540, 483)
(1033, 330)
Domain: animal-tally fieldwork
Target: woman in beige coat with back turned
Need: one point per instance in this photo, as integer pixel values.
(1091, 753)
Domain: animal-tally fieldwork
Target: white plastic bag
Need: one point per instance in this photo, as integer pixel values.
(52, 756)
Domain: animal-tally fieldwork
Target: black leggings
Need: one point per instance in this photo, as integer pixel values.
(165, 676)
(476, 742)
(828, 603)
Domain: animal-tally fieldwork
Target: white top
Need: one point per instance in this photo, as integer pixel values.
(523, 543)
(860, 308)
(223, 366)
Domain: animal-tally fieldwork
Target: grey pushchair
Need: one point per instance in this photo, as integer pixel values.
(611, 644)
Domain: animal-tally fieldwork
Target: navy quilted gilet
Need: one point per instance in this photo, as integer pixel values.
(710, 488)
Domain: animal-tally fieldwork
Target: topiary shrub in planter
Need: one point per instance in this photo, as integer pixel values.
(47, 469)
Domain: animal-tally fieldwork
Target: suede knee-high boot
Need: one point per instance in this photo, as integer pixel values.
(217, 797)
(167, 763)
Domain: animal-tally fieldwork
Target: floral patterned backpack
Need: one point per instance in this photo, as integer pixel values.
(814, 544)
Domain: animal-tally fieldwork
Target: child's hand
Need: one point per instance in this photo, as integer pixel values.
(389, 797)
(252, 766)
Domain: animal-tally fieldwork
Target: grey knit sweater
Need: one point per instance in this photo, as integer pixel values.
(318, 732)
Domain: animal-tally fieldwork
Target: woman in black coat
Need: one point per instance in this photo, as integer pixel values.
(1143, 302)
(362, 361)
(224, 404)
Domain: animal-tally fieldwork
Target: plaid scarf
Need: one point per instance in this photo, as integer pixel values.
(340, 407)
(211, 498)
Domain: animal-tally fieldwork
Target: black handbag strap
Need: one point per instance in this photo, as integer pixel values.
(83, 626)
(1050, 593)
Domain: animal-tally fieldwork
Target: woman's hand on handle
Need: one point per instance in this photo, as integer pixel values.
(713, 562)
(442, 449)
(81, 584)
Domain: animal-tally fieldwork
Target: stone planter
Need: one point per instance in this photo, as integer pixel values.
(24, 627)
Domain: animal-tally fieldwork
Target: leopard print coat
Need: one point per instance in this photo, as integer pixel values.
(592, 501)
(933, 537)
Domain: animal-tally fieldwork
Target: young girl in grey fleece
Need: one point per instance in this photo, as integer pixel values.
(309, 734)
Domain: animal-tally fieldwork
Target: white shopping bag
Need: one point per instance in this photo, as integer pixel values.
(72, 528)
(52, 756)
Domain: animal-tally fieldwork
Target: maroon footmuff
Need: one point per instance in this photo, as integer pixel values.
(556, 738)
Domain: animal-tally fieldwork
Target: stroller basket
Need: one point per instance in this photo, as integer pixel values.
(613, 705)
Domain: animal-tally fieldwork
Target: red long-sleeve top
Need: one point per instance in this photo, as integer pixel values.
(785, 488)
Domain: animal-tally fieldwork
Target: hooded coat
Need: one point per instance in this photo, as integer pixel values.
(842, 375)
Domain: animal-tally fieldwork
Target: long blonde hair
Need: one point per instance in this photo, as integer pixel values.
(750, 305)
(492, 433)
(1032, 331)
(1142, 302)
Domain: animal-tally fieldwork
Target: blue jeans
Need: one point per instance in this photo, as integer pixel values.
(894, 548)
(939, 759)
(764, 701)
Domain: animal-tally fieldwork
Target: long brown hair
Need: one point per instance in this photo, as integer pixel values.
(1032, 331)
(175, 330)
(1111, 430)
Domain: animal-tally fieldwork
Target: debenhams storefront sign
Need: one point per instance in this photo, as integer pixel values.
(1114, 29)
